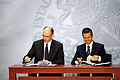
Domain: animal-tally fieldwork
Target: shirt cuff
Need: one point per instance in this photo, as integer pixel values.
(76, 62)
(99, 58)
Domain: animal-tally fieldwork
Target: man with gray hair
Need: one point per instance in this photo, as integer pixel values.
(47, 49)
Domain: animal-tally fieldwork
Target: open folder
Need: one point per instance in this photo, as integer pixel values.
(29, 64)
(98, 64)
(40, 63)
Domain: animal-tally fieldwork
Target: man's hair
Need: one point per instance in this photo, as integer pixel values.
(87, 30)
(51, 29)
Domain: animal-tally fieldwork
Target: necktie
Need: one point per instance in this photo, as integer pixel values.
(46, 51)
(88, 50)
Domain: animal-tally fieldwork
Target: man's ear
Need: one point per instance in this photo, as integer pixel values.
(52, 35)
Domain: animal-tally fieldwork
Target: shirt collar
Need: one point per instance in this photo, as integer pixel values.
(90, 46)
(49, 43)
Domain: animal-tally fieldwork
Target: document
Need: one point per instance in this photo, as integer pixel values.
(29, 64)
(97, 64)
(40, 63)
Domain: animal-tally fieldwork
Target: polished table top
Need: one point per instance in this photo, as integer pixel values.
(64, 66)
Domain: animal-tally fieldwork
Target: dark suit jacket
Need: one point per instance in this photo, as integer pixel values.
(97, 49)
(56, 54)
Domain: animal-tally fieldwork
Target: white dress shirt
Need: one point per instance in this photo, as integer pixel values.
(91, 44)
(49, 45)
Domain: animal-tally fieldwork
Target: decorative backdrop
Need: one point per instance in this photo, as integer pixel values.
(22, 21)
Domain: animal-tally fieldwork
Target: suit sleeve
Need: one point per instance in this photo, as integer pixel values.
(60, 56)
(30, 53)
(77, 55)
(104, 57)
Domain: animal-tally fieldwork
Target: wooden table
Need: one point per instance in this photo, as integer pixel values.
(13, 70)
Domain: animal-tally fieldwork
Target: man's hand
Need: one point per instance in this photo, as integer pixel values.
(95, 58)
(79, 60)
(89, 58)
(27, 59)
(48, 62)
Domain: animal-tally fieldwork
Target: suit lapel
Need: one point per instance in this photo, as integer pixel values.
(93, 48)
(84, 50)
(42, 49)
(52, 49)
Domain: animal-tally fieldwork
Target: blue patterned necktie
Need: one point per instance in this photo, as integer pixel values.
(88, 50)
(46, 51)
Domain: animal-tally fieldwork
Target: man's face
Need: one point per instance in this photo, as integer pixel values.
(47, 35)
(87, 38)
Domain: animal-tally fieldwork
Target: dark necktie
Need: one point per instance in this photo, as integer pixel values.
(46, 51)
(88, 50)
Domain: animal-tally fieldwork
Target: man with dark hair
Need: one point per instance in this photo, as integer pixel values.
(90, 51)
(87, 30)
(46, 49)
